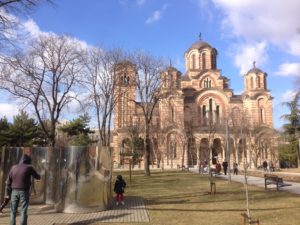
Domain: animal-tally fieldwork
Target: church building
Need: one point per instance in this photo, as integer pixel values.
(197, 114)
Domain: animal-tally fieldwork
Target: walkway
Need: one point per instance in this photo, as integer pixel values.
(133, 211)
(260, 182)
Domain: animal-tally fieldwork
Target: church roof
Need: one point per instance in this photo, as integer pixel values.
(199, 44)
(171, 68)
(255, 70)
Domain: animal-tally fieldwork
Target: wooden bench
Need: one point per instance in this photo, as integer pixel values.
(274, 179)
(183, 168)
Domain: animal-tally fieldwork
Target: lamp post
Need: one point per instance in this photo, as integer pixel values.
(228, 151)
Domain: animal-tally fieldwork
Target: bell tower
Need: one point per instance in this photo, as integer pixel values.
(125, 79)
(255, 80)
(257, 98)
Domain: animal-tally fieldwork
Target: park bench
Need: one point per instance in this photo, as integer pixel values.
(182, 167)
(274, 179)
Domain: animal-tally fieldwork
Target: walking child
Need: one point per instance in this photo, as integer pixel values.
(120, 185)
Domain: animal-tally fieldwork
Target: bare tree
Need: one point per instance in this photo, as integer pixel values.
(262, 143)
(101, 84)
(148, 83)
(45, 78)
(9, 24)
(234, 122)
(158, 139)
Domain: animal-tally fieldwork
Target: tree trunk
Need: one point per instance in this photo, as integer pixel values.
(147, 151)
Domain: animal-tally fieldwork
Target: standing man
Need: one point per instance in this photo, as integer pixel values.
(265, 165)
(19, 180)
(225, 166)
(235, 168)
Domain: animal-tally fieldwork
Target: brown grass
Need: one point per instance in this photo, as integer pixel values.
(182, 198)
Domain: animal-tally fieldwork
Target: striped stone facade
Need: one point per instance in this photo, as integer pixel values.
(188, 125)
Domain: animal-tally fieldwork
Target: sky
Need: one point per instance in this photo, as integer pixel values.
(267, 32)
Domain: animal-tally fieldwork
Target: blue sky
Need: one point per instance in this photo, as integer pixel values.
(242, 31)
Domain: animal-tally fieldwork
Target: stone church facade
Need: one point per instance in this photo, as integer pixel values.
(189, 122)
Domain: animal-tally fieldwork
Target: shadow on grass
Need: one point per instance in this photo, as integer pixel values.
(181, 198)
(95, 220)
(219, 210)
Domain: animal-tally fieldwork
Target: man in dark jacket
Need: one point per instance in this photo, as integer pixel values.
(225, 166)
(19, 180)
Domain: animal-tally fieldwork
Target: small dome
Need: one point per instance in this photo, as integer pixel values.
(199, 44)
(171, 68)
(255, 70)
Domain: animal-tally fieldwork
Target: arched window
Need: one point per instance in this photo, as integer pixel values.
(171, 111)
(210, 105)
(175, 151)
(207, 83)
(213, 61)
(261, 115)
(204, 115)
(199, 113)
(203, 61)
(218, 114)
(172, 114)
(258, 81)
(251, 82)
(193, 61)
(210, 115)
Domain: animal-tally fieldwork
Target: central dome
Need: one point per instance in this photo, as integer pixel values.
(199, 44)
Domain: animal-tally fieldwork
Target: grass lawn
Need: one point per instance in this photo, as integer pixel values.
(291, 170)
(182, 198)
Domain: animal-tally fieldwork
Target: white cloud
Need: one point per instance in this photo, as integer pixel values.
(32, 28)
(246, 54)
(293, 46)
(289, 69)
(154, 17)
(277, 22)
(157, 14)
(8, 110)
(288, 96)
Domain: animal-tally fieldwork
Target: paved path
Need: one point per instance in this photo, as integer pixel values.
(260, 182)
(133, 211)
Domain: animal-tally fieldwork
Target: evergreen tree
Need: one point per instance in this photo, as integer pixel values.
(290, 151)
(78, 131)
(24, 131)
(4, 132)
